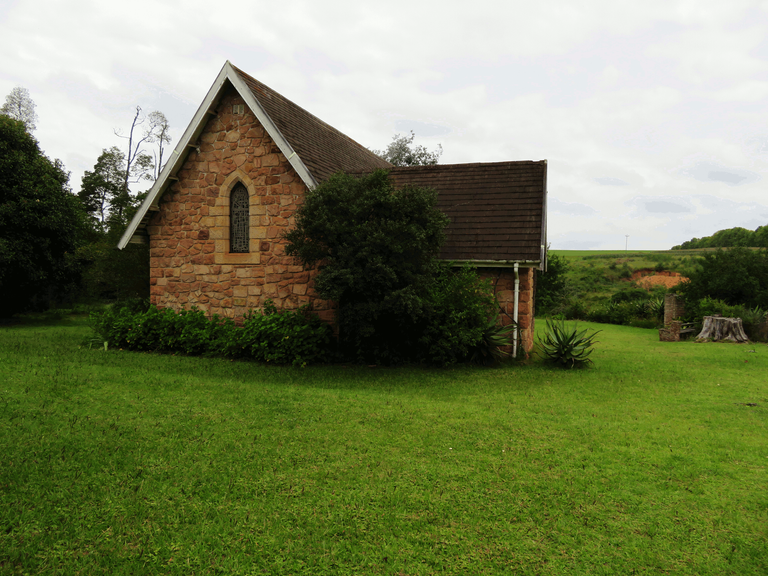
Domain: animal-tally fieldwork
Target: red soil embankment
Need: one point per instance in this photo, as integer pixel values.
(648, 278)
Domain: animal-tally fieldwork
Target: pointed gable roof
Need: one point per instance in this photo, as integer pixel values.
(314, 149)
(323, 149)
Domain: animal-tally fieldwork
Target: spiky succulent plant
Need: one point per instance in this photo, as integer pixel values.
(565, 345)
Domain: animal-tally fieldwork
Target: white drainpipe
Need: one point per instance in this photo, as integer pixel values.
(515, 311)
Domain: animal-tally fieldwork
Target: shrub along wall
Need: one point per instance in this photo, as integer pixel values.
(457, 324)
(292, 337)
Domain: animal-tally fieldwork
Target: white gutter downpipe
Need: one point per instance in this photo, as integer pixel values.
(515, 311)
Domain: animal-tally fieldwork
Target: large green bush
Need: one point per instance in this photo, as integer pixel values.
(455, 322)
(614, 313)
(630, 294)
(377, 249)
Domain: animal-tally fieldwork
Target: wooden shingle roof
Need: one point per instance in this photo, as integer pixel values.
(323, 149)
(497, 210)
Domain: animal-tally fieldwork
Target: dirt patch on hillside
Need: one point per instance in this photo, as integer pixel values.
(648, 278)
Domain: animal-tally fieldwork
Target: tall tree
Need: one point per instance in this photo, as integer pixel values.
(137, 164)
(19, 106)
(377, 247)
(41, 222)
(110, 273)
(102, 191)
(403, 152)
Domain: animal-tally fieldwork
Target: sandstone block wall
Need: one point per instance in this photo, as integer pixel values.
(190, 263)
(503, 282)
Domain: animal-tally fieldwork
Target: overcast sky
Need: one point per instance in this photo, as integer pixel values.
(653, 115)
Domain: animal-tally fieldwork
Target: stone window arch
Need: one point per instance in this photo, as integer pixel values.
(239, 220)
(222, 221)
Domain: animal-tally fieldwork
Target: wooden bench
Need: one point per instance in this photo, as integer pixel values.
(688, 328)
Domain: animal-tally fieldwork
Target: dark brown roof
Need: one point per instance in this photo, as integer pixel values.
(497, 210)
(323, 149)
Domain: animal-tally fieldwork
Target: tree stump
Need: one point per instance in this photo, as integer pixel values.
(719, 328)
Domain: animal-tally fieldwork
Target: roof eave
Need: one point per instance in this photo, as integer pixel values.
(497, 263)
(179, 154)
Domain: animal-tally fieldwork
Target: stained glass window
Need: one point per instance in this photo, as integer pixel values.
(239, 216)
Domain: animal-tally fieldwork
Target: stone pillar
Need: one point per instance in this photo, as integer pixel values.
(674, 307)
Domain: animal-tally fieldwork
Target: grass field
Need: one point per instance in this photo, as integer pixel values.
(652, 462)
(676, 260)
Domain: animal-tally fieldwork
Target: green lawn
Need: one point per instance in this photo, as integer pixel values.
(651, 462)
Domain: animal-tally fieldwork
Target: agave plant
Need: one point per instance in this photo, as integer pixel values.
(753, 315)
(642, 307)
(567, 347)
(494, 339)
(656, 308)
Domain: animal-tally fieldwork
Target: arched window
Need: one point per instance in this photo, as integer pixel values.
(239, 219)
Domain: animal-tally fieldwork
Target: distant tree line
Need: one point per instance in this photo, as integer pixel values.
(736, 276)
(729, 238)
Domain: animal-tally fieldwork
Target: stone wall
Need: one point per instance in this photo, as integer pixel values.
(503, 282)
(190, 263)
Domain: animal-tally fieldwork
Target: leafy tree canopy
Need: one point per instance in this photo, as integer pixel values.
(102, 190)
(109, 273)
(41, 222)
(735, 276)
(372, 239)
(403, 152)
(106, 196)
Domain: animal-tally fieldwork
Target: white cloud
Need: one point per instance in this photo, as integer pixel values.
(609, 181)
(748, 91)
(705, 171)
(713, 52)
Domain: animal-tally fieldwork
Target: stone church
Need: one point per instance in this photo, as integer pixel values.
(214, 219)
